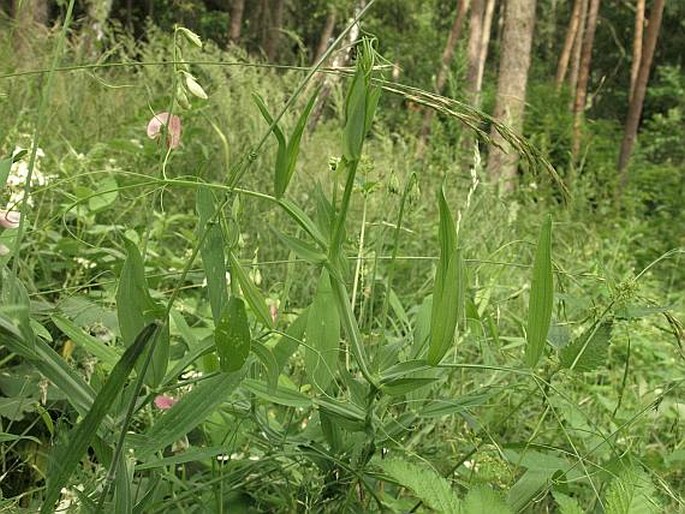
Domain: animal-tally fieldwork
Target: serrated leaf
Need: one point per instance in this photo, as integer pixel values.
(322, 335)
(426, 484)
(482, 499)
(589, 351)
(67, 457)
(566, 504)
(448, 291)
(232, 336)
(541, 296)
(136, 309)
(632, 492)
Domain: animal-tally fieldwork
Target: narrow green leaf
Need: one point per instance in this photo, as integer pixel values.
(105, 353)
(67, 457)
(448, 296)
(252, 295)
(5, 167)
(290, 340)
(302, 249)
(212, 251)
(541, 296)
(526, 488)
(355, 117)
(281, 170)
(280, 396)
(232, 336)
(191, 410)
(589, 351)
(304, 221)
(266, 357)
(322, 335)
(293, 148)
(432, 488)
(136, 309)
(123, 499)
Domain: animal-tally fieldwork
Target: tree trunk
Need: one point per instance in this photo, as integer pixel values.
(441, 77)
(485, 43)
(236, 21)
(326, 35)
(583, 77)
(577, 51)
(473, 49)
(637, 46)
(635, 107)
(517, 41)
(273, 31)
(571, 35)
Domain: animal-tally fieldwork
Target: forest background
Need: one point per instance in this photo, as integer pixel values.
(378, 256)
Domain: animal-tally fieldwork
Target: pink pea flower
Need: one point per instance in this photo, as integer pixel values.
(9, 219)
(173, 127)
(164, 402)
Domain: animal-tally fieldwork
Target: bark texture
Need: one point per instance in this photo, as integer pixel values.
(236, 21)
(326, 35)
(584, 77)
(637, 45)
(635, 107)
(571, 35)
(273, 31)
(517, 40)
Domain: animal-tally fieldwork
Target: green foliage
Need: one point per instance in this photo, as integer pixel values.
(541, 296)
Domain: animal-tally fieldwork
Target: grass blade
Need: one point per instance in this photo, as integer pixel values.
(67, 457)
(541, 296)
(106, 354)
(252, 295)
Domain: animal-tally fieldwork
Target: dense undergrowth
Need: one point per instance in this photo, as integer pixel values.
(272, 392)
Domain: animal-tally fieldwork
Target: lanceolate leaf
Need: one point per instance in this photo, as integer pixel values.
(541, 296)
(232, 336)
(188, 413)
(212, 251)
(322, 335)
(136, 309)
(66, 458)
(252, 295)
(448, 302)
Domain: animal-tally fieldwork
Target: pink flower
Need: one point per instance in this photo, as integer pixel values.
(9, 219)
(172, 124)
(164, 402)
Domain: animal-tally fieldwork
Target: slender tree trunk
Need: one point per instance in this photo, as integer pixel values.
(473, 49)
(584, 77)
(571, 34)
(326, 34)
(273, 32)
(637, 46)
(236, 21)
(515, 56)
(485, 43)
(443, 71)
(577, 51)
(635, 107)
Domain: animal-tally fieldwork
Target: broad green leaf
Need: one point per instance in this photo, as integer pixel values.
(232, 336)
(426, 484)
(541, 296)
(212, 251)
(191, 410)
(526, 488)
(123, 499)
(136, 309)
(106, 194)
(107, 354)
(283, 178)
(482, 499)
(322, 335)
(589, 351)
(448, 291)
(252, 295)
(67, 457)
